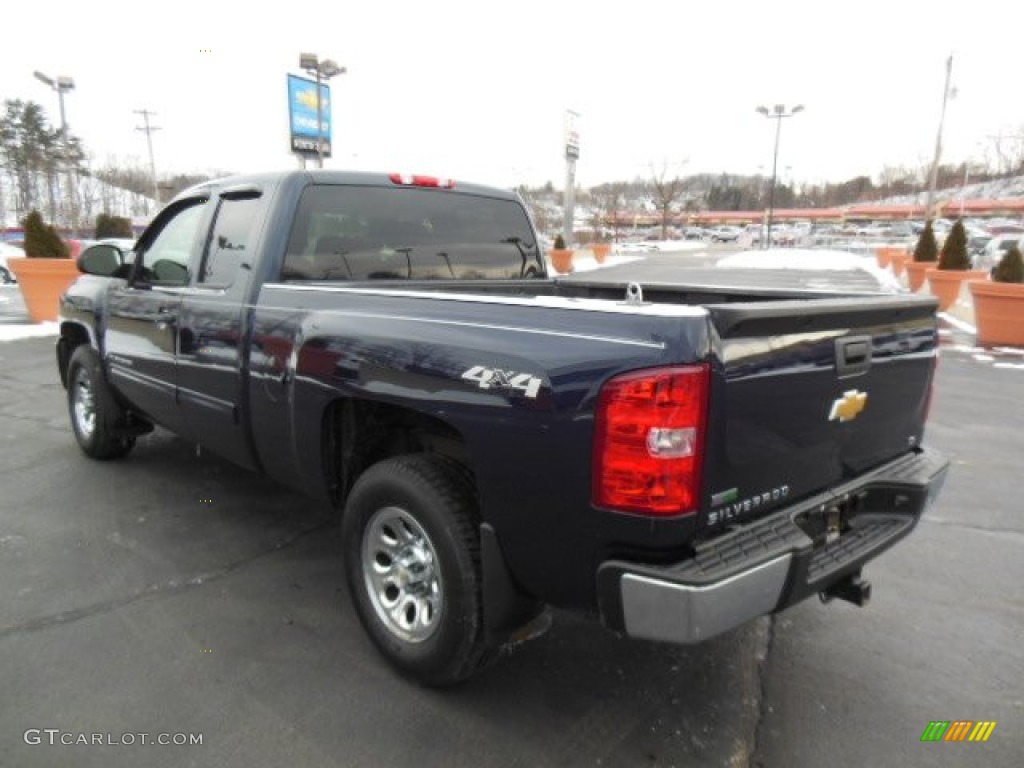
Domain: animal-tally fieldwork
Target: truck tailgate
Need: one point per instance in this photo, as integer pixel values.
(809, 393)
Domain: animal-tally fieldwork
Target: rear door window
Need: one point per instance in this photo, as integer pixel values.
(374, 233)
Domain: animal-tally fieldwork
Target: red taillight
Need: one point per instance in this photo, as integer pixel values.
(414, 180)
(649, 441)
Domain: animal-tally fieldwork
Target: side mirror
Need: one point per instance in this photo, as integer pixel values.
(102, 260)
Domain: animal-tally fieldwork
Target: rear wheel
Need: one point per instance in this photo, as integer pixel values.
(412, 558)
(94, 412)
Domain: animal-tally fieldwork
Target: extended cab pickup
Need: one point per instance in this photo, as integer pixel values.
(643, 443)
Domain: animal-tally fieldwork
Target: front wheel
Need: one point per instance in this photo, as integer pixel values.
(412, 558)
(94, 411)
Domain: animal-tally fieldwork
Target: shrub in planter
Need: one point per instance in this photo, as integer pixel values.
(1010, 268)
(113, 226)
(954, 250)
(926, 252)
(926, 249)
(954, 268)
(561, 257)
(42, 240)
(45, 272)
(999, 302)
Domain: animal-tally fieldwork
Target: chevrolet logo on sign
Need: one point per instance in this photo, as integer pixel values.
(849, 406)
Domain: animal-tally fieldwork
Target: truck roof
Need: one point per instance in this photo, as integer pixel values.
(320, 176)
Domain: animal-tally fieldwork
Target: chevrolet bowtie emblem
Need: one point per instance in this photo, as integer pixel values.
(849, 406)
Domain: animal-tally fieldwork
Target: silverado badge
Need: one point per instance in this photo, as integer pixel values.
(849, 406)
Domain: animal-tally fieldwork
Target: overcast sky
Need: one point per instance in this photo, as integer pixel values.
(478, 90)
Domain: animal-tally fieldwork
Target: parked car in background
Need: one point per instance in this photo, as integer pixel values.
(725, 234)
(1004, 228)
(8, 251)
(996, 247)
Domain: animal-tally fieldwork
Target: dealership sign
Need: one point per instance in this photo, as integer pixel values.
(572, 135)
(302, 116)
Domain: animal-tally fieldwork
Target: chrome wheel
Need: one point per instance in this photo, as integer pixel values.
(402, 575)
(84, 404)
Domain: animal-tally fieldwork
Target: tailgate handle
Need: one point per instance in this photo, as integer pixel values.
(853, 356)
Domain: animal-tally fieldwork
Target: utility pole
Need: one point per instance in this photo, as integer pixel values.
(928, 212)
(62, 85)
(148, 129)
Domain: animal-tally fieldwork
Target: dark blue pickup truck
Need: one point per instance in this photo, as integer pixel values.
(671, 451)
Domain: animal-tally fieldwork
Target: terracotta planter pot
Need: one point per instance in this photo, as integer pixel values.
(601, 251)
(883, 256)
(998, 312)
(899, 262)
(916, 271)
(42, 283)
(561, 260)
(945, 284)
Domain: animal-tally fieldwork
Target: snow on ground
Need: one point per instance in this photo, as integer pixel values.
(14, 331)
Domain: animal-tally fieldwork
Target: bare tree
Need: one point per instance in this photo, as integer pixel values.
(1008, 152)
(539, 214)
(665, 194)
(609, 201)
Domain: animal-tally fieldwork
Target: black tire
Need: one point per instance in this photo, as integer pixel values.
(412, 557)
(95, 414)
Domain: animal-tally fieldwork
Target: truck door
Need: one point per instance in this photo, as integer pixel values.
(142, 313)
(213, 325)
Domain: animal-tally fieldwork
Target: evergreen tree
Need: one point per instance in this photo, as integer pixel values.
(926, 249)
(1010, 268)
(113, 226)
(26, 141)
(42, 240)
(954, 251)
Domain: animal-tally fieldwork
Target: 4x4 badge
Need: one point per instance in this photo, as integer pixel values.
(849, 406)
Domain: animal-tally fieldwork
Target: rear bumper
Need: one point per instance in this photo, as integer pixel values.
(773, 562)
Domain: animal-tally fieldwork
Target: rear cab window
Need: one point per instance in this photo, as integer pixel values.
(407, 233)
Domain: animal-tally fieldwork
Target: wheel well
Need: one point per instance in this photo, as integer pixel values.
(359, 433)
(72, 336)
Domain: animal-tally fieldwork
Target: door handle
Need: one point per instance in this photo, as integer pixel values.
(167, 315)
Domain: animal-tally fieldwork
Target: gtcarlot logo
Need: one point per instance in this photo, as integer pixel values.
(56, 737)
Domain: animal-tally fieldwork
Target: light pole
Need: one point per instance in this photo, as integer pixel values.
(776, 113)
(62, 85)
(321, 69)
(947, 93)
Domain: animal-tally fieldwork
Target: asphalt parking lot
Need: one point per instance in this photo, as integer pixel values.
(172, 593)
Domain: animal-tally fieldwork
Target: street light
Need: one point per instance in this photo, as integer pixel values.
(322, 70)
(62, 85)
(947, 94)
(776, 113)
